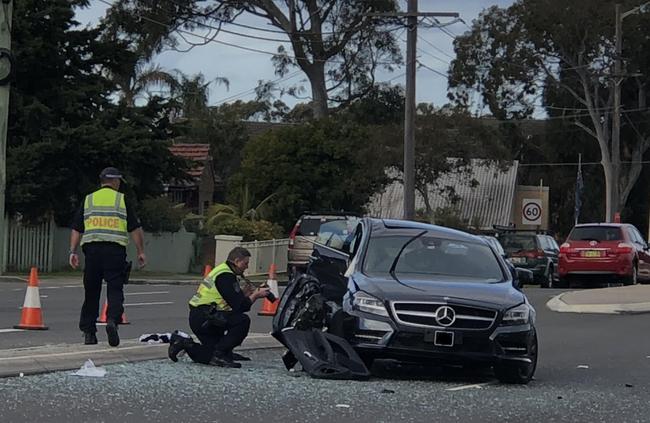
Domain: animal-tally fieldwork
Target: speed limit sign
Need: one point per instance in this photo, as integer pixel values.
(531, 211)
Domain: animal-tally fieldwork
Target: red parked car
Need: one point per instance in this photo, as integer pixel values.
(604, 252)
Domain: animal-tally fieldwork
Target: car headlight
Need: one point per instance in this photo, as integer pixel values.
(368, 304)
(519, 315)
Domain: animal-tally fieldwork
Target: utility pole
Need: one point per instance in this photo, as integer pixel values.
(411, 16)
(409, 111)
(616, 120)
(6, 9)
(618, 77)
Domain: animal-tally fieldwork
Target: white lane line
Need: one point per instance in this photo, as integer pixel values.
(146, 304)
(50, 287)
(147, 293)
(81, 352)
(474, 386)
(11, 330)
(72, 286)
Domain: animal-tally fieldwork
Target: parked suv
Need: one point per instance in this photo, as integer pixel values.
(534, 251)
(611, 252)
(316, 227)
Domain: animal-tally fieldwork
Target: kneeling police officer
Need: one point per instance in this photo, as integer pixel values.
(217, 314)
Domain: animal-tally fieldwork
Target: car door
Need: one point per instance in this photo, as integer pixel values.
(642, 253)
(328, 263)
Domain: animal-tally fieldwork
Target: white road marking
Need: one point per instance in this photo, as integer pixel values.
(146, 304)
(50, 287)
(147, 293)
(82, 352)
(474, 386)
(11, 330)
(43, 296)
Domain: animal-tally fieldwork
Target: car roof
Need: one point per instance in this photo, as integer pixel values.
(409, 224)
(619, 225)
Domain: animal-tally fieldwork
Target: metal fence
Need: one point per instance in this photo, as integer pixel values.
(264, 253)
(27, 246)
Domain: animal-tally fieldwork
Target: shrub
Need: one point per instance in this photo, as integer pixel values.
(161, 215)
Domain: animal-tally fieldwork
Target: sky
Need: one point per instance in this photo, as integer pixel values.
(244, 68)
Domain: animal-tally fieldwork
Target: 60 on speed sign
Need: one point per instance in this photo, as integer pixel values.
(531, 211)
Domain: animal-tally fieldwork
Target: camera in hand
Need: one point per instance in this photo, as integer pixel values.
(271, 297)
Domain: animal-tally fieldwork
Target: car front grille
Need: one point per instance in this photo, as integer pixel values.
(424, 315)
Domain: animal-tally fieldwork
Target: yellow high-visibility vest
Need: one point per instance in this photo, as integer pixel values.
(207, 293)
(105, 217)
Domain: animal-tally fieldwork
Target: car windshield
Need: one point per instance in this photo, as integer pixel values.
(429, 255)
(596, 233)
(514, 243)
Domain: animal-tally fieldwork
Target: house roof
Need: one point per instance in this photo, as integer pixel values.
(197, 152)
(487, 204)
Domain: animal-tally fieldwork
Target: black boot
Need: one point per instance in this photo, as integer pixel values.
(239, 357)
(111, 332)
(223, 359)
(90, 338)
(177, 344)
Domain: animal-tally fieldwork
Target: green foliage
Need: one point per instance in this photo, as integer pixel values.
(324, 165)
(161, 215)
(250, 230)
(445, 216)
(564, 54)
(63, 128)
(348, 63)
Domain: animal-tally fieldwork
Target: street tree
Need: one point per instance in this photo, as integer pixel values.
(322, 165)
(561, 55)
(337, 44)
(63, 126)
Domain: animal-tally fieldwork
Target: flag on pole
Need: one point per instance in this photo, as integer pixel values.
(579, 188)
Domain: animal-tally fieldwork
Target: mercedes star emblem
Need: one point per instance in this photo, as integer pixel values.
(445, 316)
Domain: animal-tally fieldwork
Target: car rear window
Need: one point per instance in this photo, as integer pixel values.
(513, 243)
(596, 233)
(310, 225)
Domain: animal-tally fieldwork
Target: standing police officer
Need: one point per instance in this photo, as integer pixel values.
(102, 225)
(217, 314)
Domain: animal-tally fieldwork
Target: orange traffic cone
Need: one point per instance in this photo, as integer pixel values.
(102, 317)
(206, 270)
(270, 308)
(31, 317)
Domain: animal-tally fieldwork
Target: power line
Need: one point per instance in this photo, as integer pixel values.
(579, 163)
(431, 69)
(435, 47)
(254, 50)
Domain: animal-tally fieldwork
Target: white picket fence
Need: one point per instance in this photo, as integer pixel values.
(26, 246)
(263, 253)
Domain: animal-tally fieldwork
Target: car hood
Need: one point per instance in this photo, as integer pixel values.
(498, 295)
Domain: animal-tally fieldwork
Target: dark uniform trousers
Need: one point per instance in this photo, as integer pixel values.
(214, 338)
(104, 261)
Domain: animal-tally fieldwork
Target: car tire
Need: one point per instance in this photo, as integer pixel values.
(548, 279)
(633, 279)
(516, 373)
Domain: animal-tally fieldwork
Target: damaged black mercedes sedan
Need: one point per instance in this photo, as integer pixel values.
(408, 291)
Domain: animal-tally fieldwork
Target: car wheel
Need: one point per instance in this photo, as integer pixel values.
(548, 279)
(633, 279)
(519, 373)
